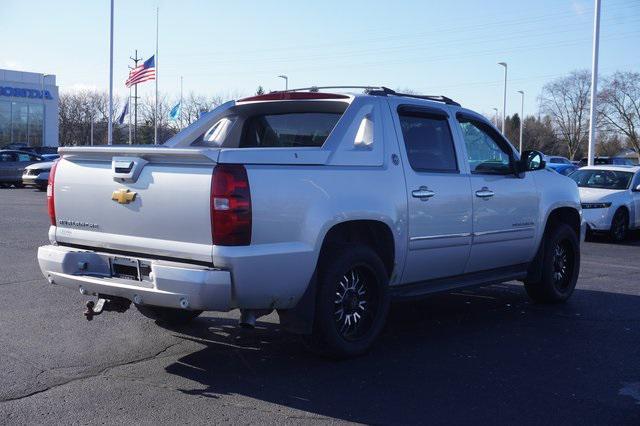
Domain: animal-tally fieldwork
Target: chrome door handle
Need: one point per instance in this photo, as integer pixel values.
(484, 193)
(423, 193)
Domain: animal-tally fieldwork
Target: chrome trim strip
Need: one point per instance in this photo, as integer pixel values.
(503, 231)
(440, 236)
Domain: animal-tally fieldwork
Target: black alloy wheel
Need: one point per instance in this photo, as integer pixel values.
(563, 265)
(352, 301)
(357, 303)
(559, 268)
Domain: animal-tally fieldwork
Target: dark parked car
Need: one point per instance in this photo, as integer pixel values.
(12, 164)
(39, 150)
(602, 161)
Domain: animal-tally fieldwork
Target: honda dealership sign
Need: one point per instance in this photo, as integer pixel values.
(18, 92)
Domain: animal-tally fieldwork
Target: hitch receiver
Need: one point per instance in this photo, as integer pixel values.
(113, 304)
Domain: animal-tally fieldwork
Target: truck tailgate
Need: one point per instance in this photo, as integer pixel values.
(164, 211)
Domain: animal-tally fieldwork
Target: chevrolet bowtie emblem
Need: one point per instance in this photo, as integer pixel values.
(123, 196)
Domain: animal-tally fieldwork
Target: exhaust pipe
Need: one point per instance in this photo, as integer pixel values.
(248, 317)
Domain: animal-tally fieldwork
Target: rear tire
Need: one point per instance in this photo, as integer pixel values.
(560, 267)
(352, 301)
(168, 316)
(18, 185)
(619, 226)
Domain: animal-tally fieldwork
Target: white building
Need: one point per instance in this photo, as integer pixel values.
(23, 106)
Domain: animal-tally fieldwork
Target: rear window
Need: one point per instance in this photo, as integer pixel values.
(428, 142)
(301, 129)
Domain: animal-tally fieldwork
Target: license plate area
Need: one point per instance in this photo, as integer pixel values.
(125, 268)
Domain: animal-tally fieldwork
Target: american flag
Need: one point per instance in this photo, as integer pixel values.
(142, 73)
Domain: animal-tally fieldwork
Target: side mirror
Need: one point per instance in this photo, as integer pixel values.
(636, 189)
(531, 161)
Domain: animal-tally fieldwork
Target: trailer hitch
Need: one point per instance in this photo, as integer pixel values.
(112, 304)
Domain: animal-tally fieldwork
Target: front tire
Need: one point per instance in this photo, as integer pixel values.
(560, 267)
(168, 316)
(619, 226)
(352, 301)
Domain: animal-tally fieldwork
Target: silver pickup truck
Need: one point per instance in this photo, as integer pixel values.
(322, 206)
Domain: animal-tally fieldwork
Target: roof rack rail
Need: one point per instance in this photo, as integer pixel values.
(317, 88)
(376, 91)
(385, 91)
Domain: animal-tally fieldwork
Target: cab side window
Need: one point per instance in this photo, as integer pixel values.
(487, 152)
(428, 141)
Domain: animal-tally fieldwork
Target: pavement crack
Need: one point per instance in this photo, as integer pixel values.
(90, 375)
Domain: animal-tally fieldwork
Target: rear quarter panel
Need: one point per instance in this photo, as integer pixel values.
(293, 209)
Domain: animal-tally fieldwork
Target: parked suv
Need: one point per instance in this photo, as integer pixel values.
(322, 206)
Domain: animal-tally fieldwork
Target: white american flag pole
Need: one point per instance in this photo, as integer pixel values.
(110, 125)
(155, 113)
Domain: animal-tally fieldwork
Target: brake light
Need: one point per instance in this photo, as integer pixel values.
(230, 206)
(51, 205)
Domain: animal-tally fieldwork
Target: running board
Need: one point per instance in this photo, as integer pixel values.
(443, 285)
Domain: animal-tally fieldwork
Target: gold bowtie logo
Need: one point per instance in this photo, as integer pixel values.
(123, 196)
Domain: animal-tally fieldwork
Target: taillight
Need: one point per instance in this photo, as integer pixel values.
(51, 194)
(230, 206)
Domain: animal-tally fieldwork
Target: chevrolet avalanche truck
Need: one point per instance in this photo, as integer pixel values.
(322, 206)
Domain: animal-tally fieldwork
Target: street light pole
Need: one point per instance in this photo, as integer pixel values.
(43, 76)
(286, 82)
(594, 83)
(504, 97)
(521, 118)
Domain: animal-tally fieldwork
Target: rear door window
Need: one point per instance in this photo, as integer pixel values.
(429, 143)
(304, 129)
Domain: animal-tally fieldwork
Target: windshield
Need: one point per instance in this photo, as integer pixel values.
(604, 179)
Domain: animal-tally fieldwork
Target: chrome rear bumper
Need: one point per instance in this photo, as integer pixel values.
(169, 284)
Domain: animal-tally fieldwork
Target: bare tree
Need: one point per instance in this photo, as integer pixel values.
(609, 144)
(566, 101)
(195, 105)
(78, 110)
(619, 107)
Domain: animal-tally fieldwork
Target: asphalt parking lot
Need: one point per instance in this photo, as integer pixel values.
(486, 356)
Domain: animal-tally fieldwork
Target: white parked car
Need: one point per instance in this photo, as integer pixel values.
(37, 175)
(610, 197)
(322, 206)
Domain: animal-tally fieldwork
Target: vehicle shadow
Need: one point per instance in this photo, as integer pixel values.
(633, 239)
(481, 356)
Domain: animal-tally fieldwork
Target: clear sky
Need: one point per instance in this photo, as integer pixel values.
(229, 48)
